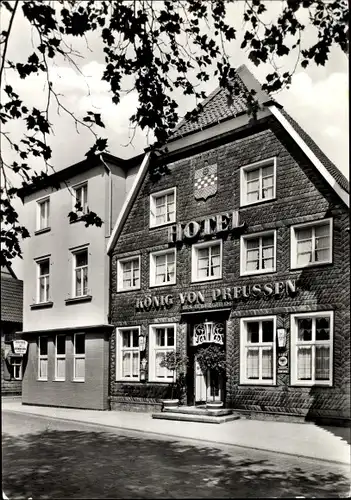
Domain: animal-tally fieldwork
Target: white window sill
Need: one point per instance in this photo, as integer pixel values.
(313, 264)
(162, 284)
(257, 202)
(203, 280)
(306, 383)
(161, 380)
(152, 226)
(59, 380)
(259, 271)
(78, 380)
(131, 289)
(128, 379)
(258, 382)
(42, 379)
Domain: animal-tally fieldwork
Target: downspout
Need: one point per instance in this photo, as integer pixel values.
(110, 196)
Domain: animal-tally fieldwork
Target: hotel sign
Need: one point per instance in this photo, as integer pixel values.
(210, 226)
(228, 294)
(19, 346)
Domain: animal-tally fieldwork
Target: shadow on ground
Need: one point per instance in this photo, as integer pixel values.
(341, 432)
(85, 464)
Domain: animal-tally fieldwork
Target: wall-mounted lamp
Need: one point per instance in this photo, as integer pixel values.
(143, 369)
(142, 342)
(281, 335)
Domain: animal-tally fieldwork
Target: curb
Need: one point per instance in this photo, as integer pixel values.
(184, 438)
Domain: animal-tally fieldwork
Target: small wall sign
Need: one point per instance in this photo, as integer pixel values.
(19, 346)
(283, 364)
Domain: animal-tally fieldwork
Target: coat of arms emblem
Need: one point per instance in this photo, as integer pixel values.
(205, 184)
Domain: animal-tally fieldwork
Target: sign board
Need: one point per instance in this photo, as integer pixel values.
(19, 346)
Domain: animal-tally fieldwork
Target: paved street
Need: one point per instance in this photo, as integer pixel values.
(48, 458)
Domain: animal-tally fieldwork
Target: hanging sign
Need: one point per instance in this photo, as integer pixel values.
(19, 346)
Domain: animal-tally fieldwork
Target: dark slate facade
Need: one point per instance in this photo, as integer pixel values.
(288, 295)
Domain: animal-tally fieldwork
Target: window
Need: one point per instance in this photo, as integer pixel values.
(258, 182)
(163, 268)
(79, 357)
(257, 350)
(163, 207)
(43, 358)
(43, 280)
(207, 261)
(128, 274)
(161, 340)
(60, 357)
(16, 368)
(128, 361)
(311, 244)
(258, 253)
(311, 348)
(43, 220)
(81, 197)
(81, 273)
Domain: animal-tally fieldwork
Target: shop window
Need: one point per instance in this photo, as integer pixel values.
(60, 357)
(80, 262)
(162, 339)
(257, 350)
(43, 217)
(163, 268)
(163, 207)
(258, 253)
(42, 358)
(257, 182)
(311, 348)
(81, 197)
(79, 357)
(43, 292)
(16, 368)
(311, 244)
(128, 274)
(128, 357)
(207, 261)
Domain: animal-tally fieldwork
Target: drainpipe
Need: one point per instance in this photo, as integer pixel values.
(110, 196)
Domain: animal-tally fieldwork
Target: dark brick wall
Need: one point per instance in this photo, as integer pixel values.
(302, 195)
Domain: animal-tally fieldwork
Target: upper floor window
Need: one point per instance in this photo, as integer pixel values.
(257, 350)
(311, 244)
(43, 218)
(128, 273)
(128, 357)
(162, 339)
(258, 182)
(163, 268)
(311, 348)
(163, 207)
(81, 197)
(207, 261)
(258, 253)
(79, 357)
(42, 358)
(43, 292)
(80, 277)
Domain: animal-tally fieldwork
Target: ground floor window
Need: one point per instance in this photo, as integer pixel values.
(128, 357)
(257, 350)
(162, 339)
(79, 357)
(311, 348)
(60, 357)
(42, 358)
(16, 368)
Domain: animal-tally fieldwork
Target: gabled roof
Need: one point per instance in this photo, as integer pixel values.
(11, 299)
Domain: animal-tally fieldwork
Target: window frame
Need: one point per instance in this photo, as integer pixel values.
(152, 207)
(40, 202)
(74, 279)
(152, 267)
(243, 344)
(75, 188)
(243, 182)
(119, 354)
(152, 349)
(45, 276)
(43, 357)
(244, 238)
(78, 356)
(19, 362)
(205, 244)
(120, 263)
(60, 356)
(294, 343)
(293, 242)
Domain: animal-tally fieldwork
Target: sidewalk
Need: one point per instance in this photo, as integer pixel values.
(305, 440)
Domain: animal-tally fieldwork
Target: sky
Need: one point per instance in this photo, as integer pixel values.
(317, 98)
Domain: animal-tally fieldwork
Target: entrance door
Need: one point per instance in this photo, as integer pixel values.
(205, 388)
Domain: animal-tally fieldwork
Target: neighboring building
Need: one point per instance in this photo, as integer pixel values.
(66, 283)
(11, 322)
(244, 240)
